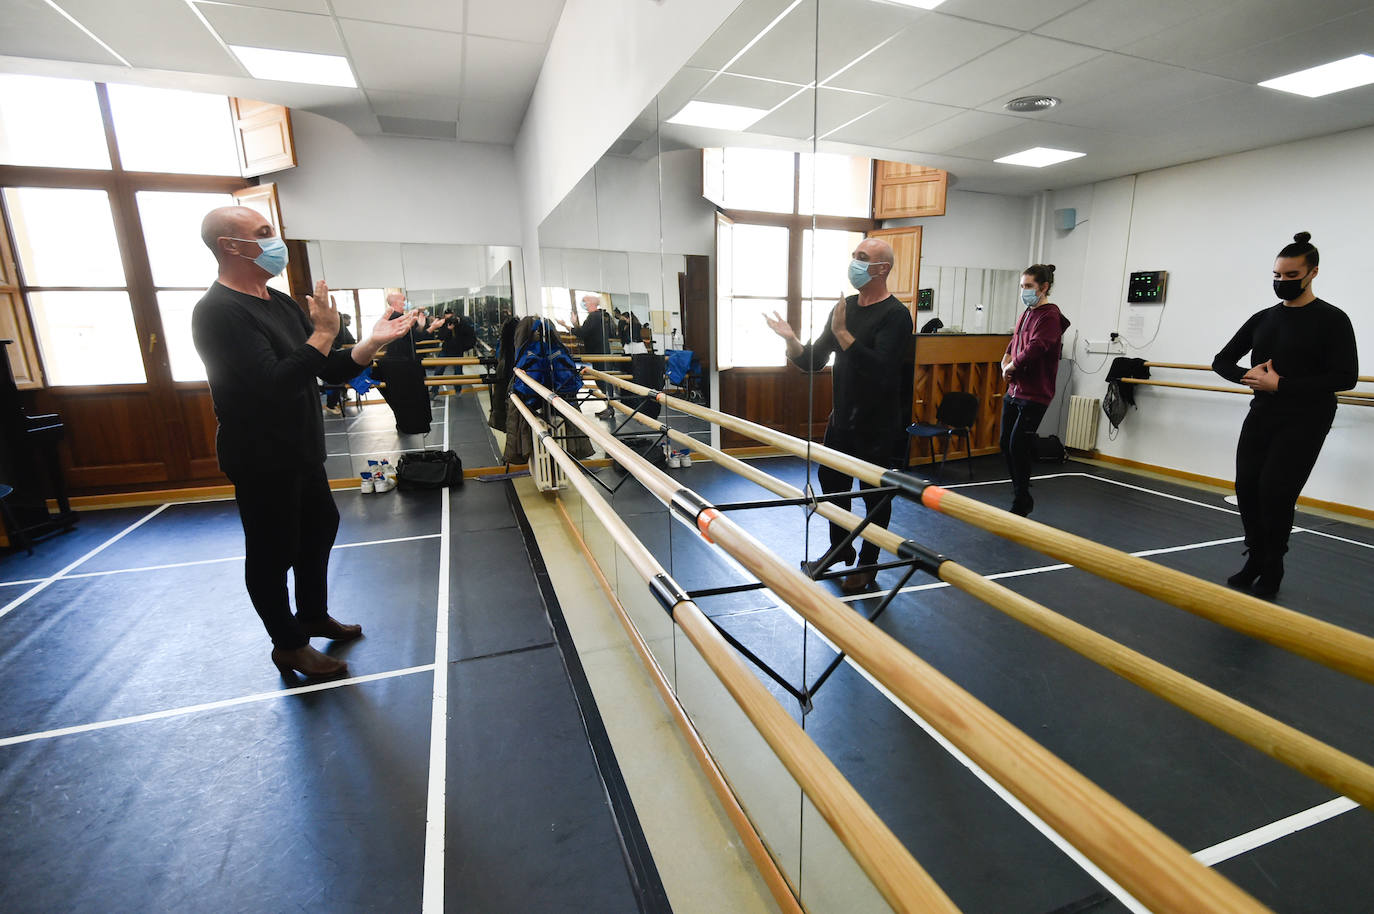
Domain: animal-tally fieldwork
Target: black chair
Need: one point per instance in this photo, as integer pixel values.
(955, 416)
(18, 536)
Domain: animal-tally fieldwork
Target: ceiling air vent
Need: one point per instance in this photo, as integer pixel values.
(1032, 103)
(418, 127)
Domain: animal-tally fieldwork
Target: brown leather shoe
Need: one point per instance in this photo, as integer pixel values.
(308, 661)
(858, 582)
(331, 628)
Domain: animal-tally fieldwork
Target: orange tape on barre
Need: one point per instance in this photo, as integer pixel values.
(931, 497)
(704, 523)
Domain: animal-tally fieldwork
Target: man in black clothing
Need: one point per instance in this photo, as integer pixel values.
(595, 333)
(868, 334)
(1302, 351)
(336, 391)
(262, 354)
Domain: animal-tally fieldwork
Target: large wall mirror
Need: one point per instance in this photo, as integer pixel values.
(478, 285)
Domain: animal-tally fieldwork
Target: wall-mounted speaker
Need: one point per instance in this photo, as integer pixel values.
(1065, 219)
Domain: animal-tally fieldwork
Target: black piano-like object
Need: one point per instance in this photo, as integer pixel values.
(29, 465)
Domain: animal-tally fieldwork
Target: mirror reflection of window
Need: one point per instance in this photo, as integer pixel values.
(54, 123)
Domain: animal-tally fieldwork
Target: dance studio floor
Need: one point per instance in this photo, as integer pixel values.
(152, 759)
(1285, 839)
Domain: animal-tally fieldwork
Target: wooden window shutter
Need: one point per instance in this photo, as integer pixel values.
(14, 318)
(903, 191)
(264, 199)
(263, 134)
(905, 279)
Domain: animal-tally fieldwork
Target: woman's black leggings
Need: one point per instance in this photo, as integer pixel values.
(1274, 456)
(1020, 422)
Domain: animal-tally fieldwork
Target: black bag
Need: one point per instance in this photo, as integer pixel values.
(1114, 404)
(429, 470)
(1049, 449)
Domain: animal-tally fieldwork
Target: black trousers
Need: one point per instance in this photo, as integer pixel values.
(289, 523)
(1020, 422)
(856, 444)
(1275, 454)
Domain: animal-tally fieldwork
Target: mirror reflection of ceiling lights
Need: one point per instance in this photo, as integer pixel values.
(296, 66)
(1039, 157)
(712, 114)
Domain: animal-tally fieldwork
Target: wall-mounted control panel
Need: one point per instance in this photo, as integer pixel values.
(1147, 288)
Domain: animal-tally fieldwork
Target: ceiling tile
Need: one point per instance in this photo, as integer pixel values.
(748, 19)
(1139, 109)
(1002, 70)
(728, 89)
(799, 118)
(1102, 79)
(517, 20)
(681, 89)
(894, 120)
(298, 6)
(921, 53)
(1027, 133)
(1298, 49)
(405, 104)
(488, 122)
(956, 131)
(1111, 24)
(1250, 117)
(785, 52)
(400, 59)
(180, 41)
(499, 70)
(34, 29)
(1023, 14)
(264, 28)
(445, 15)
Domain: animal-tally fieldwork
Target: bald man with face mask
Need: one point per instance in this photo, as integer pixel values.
(868, 334)
(262, 353)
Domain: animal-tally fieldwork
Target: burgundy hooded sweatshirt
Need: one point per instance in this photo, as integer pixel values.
(1035, 350)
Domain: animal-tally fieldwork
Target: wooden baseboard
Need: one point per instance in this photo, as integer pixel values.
(1229, 484)
(778, 885)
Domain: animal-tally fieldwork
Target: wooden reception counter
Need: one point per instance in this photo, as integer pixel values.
(966, 362)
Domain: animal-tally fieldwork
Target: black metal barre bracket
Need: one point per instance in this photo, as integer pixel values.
(826, 576)
(667, 592)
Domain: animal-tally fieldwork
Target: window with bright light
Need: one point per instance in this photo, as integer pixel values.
(170, 130)
(835, 185)
(53, 123)
(171, 229)
(87, 337)
(823, 206)
(64, 237)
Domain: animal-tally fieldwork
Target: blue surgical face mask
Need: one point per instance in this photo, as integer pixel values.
(273, 257)
(858, 273)
(1029, 297)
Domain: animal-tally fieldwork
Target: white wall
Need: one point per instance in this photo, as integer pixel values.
(369, 188)
(977, 230)
(1216, 226)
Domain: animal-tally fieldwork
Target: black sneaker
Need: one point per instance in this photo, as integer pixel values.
(813, 569)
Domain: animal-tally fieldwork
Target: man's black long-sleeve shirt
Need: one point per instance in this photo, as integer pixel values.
(1312, 347)
(594, 332)
(867, 375)
(262, 379)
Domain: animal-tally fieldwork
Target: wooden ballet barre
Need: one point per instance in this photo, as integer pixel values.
(452, 360)
(1347, 395)
(453, 380)
(1327, 644)
(601, 357)
(1189, 366)
(894, 872)
(1146, 862)
(1343, 773)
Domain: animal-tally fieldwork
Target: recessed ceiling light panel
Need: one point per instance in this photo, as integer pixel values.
(296, 66)
(710, 114)
(1336, 76)
(1032, 103)
(1039, 157)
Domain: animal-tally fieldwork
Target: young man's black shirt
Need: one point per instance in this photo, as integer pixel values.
(1312, 347)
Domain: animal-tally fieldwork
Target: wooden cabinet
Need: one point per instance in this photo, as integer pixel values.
(263, 134)
(776, 398)
(905, 277)
(903, 191)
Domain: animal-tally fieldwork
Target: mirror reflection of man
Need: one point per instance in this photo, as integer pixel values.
(868, 334)
(262, 353)
(595, 334)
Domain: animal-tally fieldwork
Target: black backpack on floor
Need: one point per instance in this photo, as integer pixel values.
(1049, 449)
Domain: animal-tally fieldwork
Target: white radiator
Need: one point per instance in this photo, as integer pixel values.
(1082, 431)
(545, 471)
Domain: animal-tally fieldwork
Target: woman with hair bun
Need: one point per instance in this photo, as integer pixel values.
(1302, 351)
(1030, 365)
